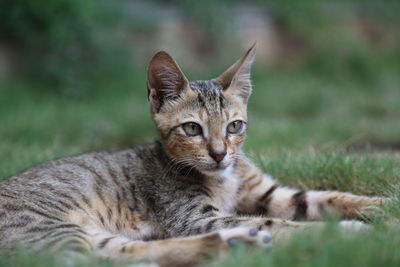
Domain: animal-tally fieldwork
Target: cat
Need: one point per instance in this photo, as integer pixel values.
(176, 201)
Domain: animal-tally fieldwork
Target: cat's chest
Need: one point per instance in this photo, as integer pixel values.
(225, 191)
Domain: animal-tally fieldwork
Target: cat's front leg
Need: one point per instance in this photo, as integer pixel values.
(277, 228)
(259, 194)
(200, 217)
(195, 212)
(182, 251)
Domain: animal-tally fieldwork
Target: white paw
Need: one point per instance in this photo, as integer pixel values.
(143, 264)
(248, 235)
(353, 225)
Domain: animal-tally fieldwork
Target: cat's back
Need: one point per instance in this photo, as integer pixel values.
(76, 169)
(83, 182)
(66, 170)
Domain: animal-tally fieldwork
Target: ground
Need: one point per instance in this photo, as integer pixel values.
(307, 130)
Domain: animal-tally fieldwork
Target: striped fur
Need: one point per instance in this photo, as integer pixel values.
(169, 202)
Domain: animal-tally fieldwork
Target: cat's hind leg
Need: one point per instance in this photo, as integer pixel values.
(294, 204)
(45, 235)
(259, 194)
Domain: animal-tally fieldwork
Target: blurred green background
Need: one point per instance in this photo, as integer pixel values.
(325, 110)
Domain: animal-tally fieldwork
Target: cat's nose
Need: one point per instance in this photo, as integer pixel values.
(217, 156)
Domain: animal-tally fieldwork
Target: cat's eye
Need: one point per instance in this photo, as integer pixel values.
(192, 129)
(234, 127)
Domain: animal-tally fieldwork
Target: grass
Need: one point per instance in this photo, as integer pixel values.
(307, 130)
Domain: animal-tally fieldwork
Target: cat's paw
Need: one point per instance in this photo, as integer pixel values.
(247, 235)
(353, 225)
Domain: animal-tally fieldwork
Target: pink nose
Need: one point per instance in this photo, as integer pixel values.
(218, 156)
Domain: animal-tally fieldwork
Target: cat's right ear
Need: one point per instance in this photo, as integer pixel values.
(165, 80)
(236, 79)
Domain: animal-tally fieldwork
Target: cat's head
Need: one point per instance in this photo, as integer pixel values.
(202, 123)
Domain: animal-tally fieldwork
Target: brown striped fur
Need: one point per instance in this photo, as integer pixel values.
(169, 202)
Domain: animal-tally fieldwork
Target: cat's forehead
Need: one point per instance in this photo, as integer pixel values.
(209, 95)
(210, 103)
(203, 86)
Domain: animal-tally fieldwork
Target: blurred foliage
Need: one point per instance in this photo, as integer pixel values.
(73, 45)
(63, 43)
(337, 39)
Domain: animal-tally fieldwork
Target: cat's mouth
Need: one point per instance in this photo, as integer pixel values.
(214, 168)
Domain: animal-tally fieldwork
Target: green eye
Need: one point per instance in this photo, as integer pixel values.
(192, 129)
(234, 127)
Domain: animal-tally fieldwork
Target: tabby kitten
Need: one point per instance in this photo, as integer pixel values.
(176, 201)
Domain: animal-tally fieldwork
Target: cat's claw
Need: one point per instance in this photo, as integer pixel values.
(245, 235)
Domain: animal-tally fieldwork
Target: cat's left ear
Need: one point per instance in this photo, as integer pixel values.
(236, 79)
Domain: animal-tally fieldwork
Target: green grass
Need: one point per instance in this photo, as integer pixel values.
(307, 130)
